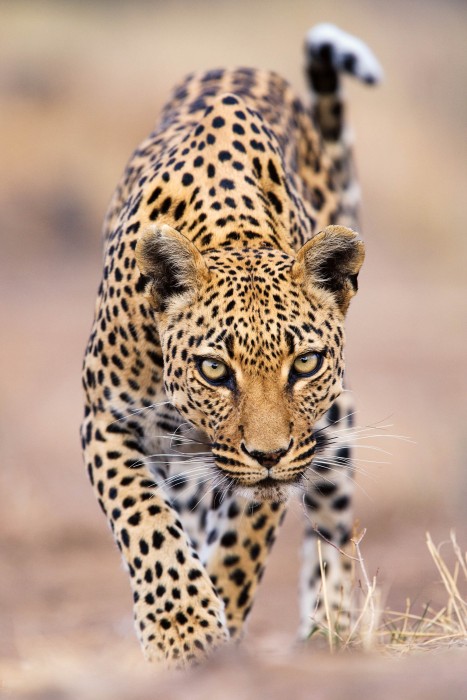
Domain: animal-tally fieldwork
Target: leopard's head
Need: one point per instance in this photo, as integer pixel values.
(253, 344)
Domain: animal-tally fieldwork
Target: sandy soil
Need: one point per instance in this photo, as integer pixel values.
(80, 85)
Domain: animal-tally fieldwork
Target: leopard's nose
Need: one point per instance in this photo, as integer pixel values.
(266, 459)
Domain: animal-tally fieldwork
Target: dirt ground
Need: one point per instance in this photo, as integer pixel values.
(80, 84)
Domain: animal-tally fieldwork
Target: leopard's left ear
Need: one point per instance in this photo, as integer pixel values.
(331, 260)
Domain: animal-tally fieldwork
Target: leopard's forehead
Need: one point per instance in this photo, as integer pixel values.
(257, 313)
(265, 267)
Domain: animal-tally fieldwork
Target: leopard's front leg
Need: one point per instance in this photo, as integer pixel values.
(179, 616)
(327, 505)
(239, 537)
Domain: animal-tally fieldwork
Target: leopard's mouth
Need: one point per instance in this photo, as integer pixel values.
(261, 484)
(266, 489)
(270, 481)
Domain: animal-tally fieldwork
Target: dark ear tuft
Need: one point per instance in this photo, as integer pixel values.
(171, 264)
(332, 260)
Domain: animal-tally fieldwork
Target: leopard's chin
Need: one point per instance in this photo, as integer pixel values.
(268, 490)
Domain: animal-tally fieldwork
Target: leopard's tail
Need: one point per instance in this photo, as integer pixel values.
(330, 52)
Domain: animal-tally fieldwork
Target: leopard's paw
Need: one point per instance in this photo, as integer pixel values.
(186, 635)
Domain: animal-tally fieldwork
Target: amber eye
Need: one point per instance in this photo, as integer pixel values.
(307, 364)
(213, 370)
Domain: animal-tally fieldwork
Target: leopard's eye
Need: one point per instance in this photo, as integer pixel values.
(213, 370)
(308, 364)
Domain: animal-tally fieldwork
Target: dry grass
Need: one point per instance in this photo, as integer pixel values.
(400, 633)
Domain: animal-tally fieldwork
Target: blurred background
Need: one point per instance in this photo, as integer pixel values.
(81, 83)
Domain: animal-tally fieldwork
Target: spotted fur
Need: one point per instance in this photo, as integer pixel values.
(226, 239)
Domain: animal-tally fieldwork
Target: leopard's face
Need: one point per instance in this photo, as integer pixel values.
(253, 356)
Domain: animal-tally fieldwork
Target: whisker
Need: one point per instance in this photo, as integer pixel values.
(135, 411)
(364, 433)
(353, 460)
(402, 438)
(190, 473)
(187, 477)
(352, 446)
(347, 476)
(356, 469)
(168, 460)
(183, 440)
(332, 423)
(188, 455)
(221, 478)
(226, 491)
(190, 428)
(318, 474)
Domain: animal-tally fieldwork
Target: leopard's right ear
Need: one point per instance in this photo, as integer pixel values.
(174, 267)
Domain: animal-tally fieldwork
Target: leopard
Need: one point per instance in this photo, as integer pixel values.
(214, 372)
